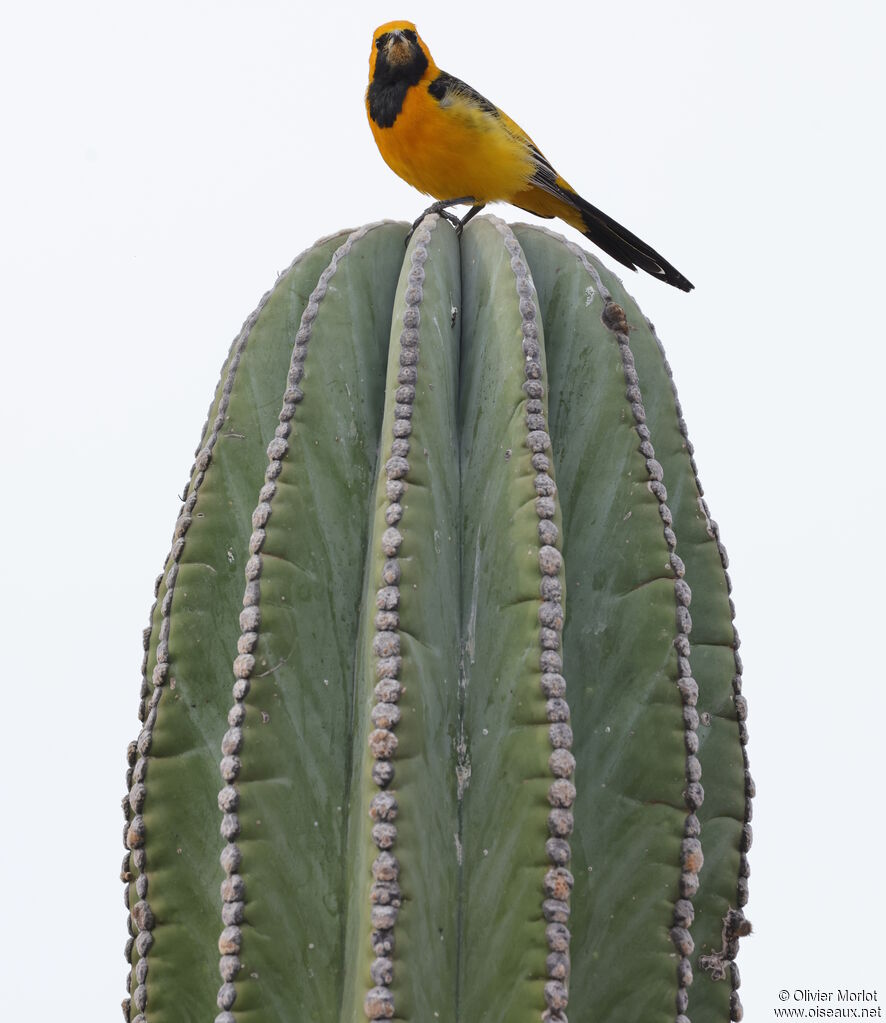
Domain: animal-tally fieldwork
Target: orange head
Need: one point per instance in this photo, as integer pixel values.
(398, 54)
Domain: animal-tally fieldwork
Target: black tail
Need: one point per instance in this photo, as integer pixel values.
(627, 248)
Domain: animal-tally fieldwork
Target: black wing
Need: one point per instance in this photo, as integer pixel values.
(445, 88)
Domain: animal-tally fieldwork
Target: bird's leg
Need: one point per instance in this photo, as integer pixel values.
(442, 209)
(472, 212)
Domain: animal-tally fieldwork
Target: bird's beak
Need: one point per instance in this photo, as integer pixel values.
(397, 48)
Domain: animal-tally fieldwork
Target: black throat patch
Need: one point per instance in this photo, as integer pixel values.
(391, 82)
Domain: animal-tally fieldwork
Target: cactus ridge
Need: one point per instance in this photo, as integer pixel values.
(558, 880)
(720, 962)
(141, 913)
(691, 852)
(692, 855)
(233, 889)
(141, 918)
(692, 858)
(384, 896)
(689, 849)
(734, 923)
(228, 373)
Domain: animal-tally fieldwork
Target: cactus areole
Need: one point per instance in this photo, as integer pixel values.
(425, 718)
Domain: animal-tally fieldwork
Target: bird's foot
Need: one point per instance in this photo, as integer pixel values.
(441, 208)
(472, 212)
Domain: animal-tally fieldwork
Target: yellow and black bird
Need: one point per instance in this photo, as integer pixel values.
(450, 142)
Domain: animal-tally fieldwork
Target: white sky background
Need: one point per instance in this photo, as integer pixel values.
(163, 162)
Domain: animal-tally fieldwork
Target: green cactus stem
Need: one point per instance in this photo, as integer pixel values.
(417, 460)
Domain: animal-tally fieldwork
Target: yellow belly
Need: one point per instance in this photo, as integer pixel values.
(453, 151)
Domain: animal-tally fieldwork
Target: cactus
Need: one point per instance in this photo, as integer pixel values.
(413, 462)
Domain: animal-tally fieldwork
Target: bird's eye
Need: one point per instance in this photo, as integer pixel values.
(380, 42)
(410, 35)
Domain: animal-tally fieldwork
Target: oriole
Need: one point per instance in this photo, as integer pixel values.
(450, 142)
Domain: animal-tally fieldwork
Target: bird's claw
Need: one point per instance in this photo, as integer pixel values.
(441, 208)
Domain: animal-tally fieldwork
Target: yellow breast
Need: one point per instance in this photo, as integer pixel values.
(453, 149)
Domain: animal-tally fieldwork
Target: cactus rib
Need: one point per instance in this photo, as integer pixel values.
(692, 857)
(407, 646)
(233, 890)
(178, 850)
(558, 880)
(141, 913)
(735, 925)
(138, 759)
(578, 353)
(383, 808)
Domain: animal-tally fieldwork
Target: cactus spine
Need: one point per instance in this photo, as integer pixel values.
(412, 463)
